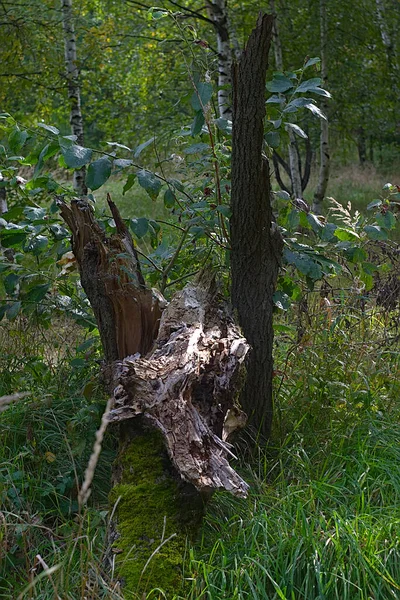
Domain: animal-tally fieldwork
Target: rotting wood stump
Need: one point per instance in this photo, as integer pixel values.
(177, 371)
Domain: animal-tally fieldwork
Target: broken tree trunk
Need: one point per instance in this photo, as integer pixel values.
(176, 374)
(256, 243)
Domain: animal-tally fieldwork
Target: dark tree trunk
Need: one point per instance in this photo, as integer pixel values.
(175, 372)
(361, 146)
(255, 241)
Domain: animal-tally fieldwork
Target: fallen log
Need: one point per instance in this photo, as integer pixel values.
(176, 373)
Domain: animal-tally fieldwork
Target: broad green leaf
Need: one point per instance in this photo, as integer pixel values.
(169, 198)
(386, 220)
(76, 156)
(37, 244)
(59, 232)
(346, 235)
(374, 232)
(275, 99)
(17, 139)
(328, 232)
(142, 147)
(224, 125)
(273, 139)
(280, 83)
(13, 310)
(283, 195)
(308, 85)
(98, 172)
(129, 183)
(196, 148)
(49, 128)
(296, 129)
(297, 103)
(312, 61)
(224, 210)
(34, 214)
(293, 219)
(122, 163)
(150, 182)
(10, 283)
(139, 226)
(197, 124)
(374, 204)
(315, 223)
(11, 238)
(37, 292)
(281, 300)
(316, 111)
(303, 263)
(47, 152)
(201, 96)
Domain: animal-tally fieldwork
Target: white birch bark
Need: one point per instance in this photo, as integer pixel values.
(219, 14)
(74, 92)
(295, 175)
(324, 166)
(389, 46)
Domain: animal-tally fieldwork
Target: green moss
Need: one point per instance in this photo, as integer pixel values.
(151, 508)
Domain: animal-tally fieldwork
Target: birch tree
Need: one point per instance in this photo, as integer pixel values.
(324, 166)
(219, 15)
(74, 90)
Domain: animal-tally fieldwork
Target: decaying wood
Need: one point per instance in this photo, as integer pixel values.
(183, 373)
(127, 312)
(186, 387)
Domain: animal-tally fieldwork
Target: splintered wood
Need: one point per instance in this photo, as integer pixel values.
(182, 373)
(187, 384)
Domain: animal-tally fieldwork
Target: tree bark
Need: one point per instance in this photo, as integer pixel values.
(324, 166)
(390, 48)
(218, 11)
(3, 200)
(256, 244)
(176, 372)
(74, 91)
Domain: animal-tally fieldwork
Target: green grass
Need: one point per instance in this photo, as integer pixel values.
(322, 521)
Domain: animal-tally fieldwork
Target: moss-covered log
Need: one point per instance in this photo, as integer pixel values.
(176, 373)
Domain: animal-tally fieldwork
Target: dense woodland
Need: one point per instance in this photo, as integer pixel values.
(199, 300)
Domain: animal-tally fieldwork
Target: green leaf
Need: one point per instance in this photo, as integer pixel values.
(149, 182)
(316, 111)
(296, 129)
(308, 85)
(17, 139)
(141, 147)
(315, 223)
(201, 96)
(374, 232)
(224, 210)
(328, 232)
(10, 283)
(98, 172)
(293, 219)
(37, 293)
(117, 145)
(386, 220)
(13, 310)
(303, 263)
(346, 235)
(282, 195)
(139, 226)
(224, 125)
(374, 204)
(280, 83)
(34, 214)
(59, 232)
(37, 244)
(129, 183)
(76, 156)
(297, 103)
(49, 128)
(281, 300)
(197, 124)
(196, 148)
(275, 100)
(312, 61)
(169, 198)
(273, 139)
(12, 237)
(122, 163)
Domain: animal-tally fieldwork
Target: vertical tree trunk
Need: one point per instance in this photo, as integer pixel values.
(74, 92)
(256, 244)
(219, 14)
(293, 149)
(388, 43)
(324, 166)
(3, 200)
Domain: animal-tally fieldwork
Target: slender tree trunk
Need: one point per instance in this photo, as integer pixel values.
(3, 200)
(219, 14)
(388, 43)
(361, 145)
(256, 244)
(324, 166)
(293, 149)
(74, 92)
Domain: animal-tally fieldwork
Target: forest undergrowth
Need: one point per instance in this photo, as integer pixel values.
(322, 518)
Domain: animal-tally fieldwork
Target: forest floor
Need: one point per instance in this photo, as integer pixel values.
(322, 519)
